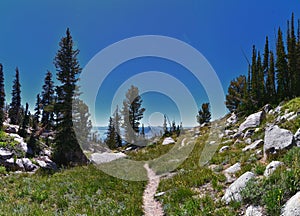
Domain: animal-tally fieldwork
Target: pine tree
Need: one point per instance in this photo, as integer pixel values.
(143, 131)
(236, 94)
(132, 114)
(270, 82)
(25, 123)
(281, 69)
(82, 123)
(254, 78)
(37, 109)
(260, 95)
(266, 67)
(204, 114)
(116, 120)
(2, 97)
(292, 59)
(67, 149)
(111, 134)
(15, 112)
(47, 102)
(298, 62)
(165, 127)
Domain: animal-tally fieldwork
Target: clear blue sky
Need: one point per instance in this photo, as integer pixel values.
(32, 29)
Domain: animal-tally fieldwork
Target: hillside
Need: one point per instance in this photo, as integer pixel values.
(254, 171)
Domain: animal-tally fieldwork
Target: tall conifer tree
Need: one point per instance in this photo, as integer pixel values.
(67, 149)
(15, 105)
(2, 97)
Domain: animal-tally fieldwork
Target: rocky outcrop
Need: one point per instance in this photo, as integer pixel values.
(231, 120)
(252, 121)
(232, 193)
(223, 149)
(271, 167)
(168, 140)
(277, 139)
(5, 154)
(292, 207)
(256, 144)
(254, 211)
(297, 137)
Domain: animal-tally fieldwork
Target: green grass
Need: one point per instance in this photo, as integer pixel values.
(274, 191)
(81, 190)
(292, 105)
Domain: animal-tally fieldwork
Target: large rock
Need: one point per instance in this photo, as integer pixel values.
(271, 167)
(232, 193)
(252, 121)
(254, 211)
(297, 137)
(168, 140)
(256, 144)
(230, 172)
(277, 139)
(5, 154)
(106, 157)
(292, 207)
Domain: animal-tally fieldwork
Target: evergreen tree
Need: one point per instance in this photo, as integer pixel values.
(25, 123)
(116, 120)
(67, 150)
(260, 95)
(37, 108)
(132, 113)
(82, 123)
(292, 59)
(143, 131)
(204, 114)
(47, 102)
(236, 94)
(165, 127)
(254, 78)
(111, 134)
(298, 62)
(281, 69)
(2, 97)
(266, 67)
(15, 112)
(270, 82)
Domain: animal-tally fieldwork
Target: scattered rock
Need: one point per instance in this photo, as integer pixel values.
(254, 211)
(277, 139)
(11, 129)
(159, 194)
(248, 141)
(252, 121)
(292, 207)
(5, 154)
(231, 120)
(232, 193)
(267, 108)
(249, 133)
(28, 165)
(256, 144)
(233, 169)
(45, 163)
(168, 140)
(297, 137)
(228, 132)
(224, 148)
(271, 167)
(106, 157)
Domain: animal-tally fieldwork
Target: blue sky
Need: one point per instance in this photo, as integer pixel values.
(220, 30)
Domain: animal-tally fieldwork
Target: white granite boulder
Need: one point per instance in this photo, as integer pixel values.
(277, 139)
(252, 121)
(232, 193)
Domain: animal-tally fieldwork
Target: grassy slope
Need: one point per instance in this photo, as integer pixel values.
(81, 190)
(192, 191)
